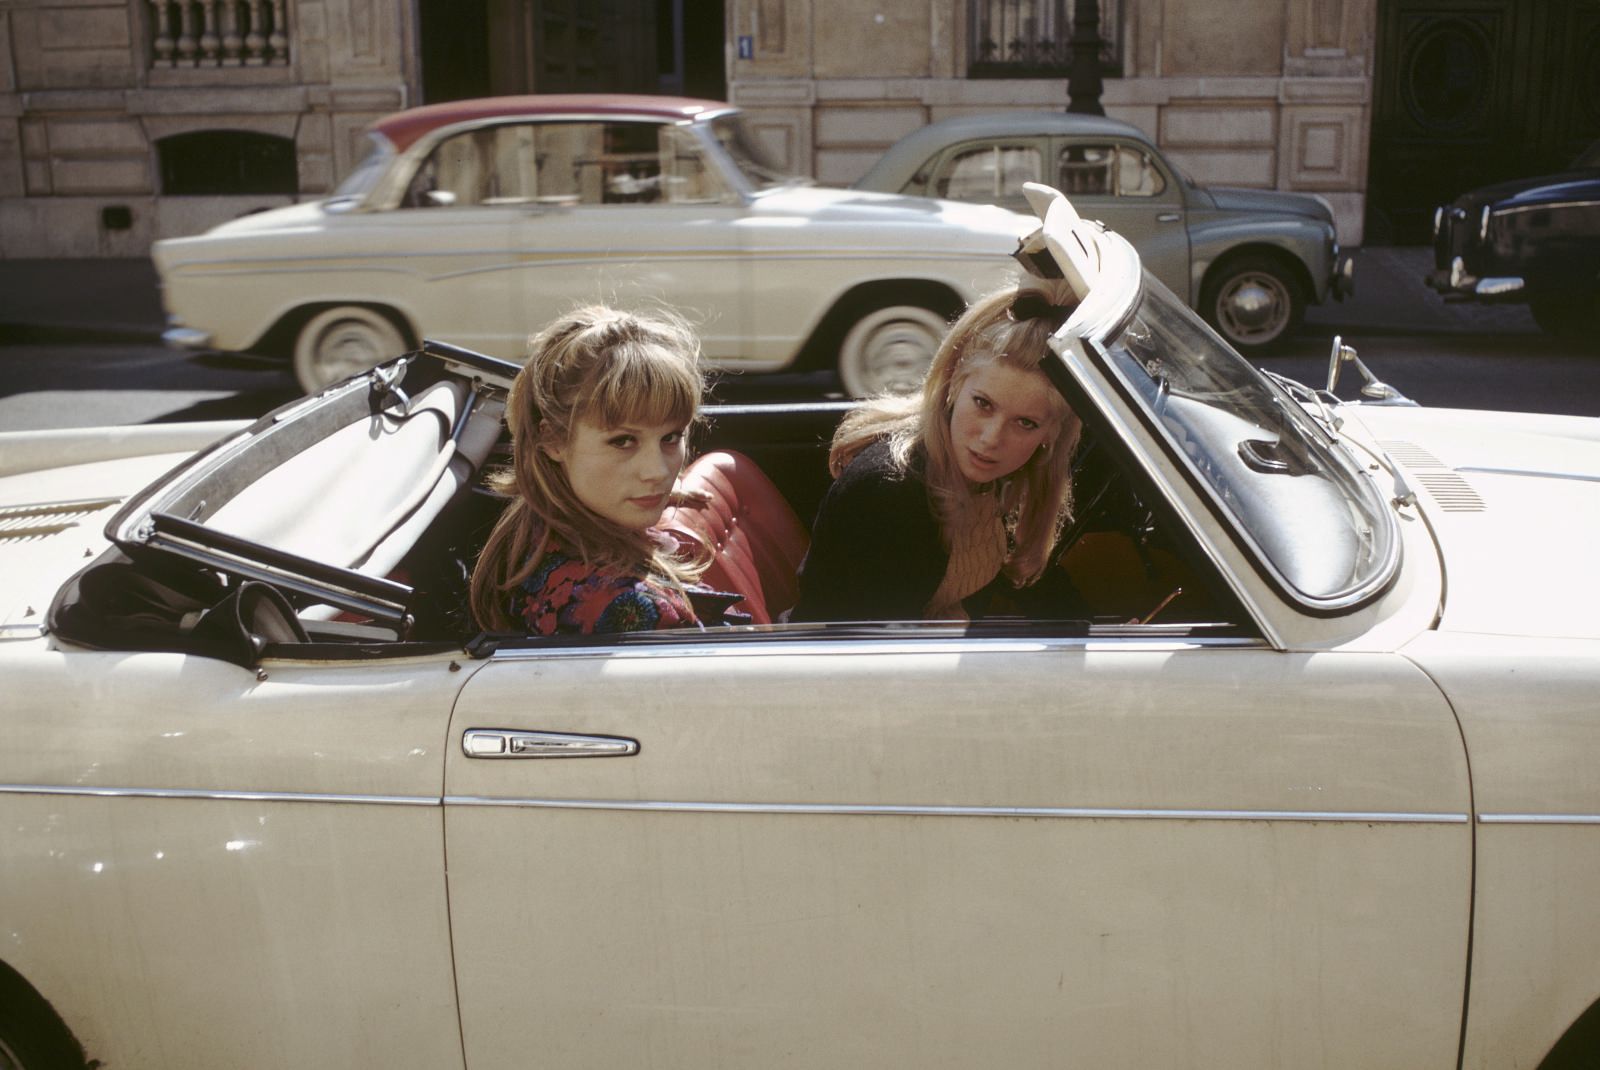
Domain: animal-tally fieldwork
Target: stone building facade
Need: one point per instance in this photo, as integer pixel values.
(107, 106)
(1266, 93)
(122, 121)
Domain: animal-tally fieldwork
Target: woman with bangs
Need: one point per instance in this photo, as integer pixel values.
(598, 419)
(944, 503)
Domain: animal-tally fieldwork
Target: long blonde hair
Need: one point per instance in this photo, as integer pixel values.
(1040, 492)
(607, 367)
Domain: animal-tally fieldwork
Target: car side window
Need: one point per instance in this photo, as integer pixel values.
(988, 172)
(564, 163)
(1108, 171)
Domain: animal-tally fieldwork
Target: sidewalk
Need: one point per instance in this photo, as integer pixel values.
(110, 301)
(85, 301)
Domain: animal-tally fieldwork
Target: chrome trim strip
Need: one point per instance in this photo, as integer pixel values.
(1539, 819)
(731, 647)
(842, 809)
(1534, 473)
(227, 796)
(1515, 209)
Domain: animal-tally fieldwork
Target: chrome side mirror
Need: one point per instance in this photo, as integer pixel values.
(1374, 389)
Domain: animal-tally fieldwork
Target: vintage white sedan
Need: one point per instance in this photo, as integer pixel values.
(1304, 776)
(476, 222)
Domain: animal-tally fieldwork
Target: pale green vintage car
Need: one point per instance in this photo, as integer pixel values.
(1303, 776)
(1250, 260)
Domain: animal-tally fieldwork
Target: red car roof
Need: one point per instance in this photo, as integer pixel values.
(404, 127)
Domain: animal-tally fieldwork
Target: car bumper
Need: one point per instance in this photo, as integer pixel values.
(186, 338)
(1343, 282)
(1456, 284)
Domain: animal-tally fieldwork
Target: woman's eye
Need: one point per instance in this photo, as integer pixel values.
(621, 442)
(981, 402)
(1027, 424)
(672, 439)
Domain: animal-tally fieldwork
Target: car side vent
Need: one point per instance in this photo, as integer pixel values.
(1443, 483)
(30, 523)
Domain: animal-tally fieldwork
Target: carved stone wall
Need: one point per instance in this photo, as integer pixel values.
(88, 88)
(1263, 93)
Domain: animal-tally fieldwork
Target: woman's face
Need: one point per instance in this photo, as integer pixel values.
(623, 473)
(1001, 415)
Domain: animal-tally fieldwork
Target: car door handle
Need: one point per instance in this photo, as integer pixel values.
(1168, 217)
(501, 743)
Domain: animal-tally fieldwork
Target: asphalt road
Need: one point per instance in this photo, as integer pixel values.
(77, 385)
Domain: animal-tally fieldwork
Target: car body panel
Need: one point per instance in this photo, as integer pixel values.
(1215, 221)
(1538, 813)
(1534, 240)
(793, 811)
(267, 848)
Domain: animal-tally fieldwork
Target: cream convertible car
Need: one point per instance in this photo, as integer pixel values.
(1304, 776)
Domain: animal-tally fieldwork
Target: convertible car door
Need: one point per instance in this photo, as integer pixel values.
(949, 852)
(244, 866)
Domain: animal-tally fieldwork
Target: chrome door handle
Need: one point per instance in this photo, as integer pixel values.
(501, 743)
(1168, 217)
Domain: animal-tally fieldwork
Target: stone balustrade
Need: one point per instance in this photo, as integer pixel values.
(218, 33)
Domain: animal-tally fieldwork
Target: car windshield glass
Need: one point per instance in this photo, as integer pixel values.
(1317, 521)
(359, 181)
(748, 154)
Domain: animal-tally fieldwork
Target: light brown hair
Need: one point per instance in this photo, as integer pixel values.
(1040, 491)
(603, 366)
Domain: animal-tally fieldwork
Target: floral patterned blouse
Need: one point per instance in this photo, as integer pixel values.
(564, 596)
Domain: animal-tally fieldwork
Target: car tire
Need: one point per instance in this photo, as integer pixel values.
(1566, 317)
(343, 341)
(32, 1037)
(888, 350)
(1254, 301)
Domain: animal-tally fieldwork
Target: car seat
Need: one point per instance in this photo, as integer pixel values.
(757, 540)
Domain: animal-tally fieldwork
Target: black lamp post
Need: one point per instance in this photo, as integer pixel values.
(1083, 80)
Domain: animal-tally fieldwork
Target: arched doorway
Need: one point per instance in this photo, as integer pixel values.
(1469, 92)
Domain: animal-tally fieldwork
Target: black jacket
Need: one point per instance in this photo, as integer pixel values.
(876, 552)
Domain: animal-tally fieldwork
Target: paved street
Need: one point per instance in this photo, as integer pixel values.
(77, 348)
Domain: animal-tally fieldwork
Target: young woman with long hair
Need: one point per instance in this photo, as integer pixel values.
(937, 495)
(599, 418)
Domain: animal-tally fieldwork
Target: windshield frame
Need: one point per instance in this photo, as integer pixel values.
(1356, 488)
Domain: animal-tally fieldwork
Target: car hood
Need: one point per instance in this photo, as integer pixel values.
(823, 204)
(1513, 501)
(1232, 199)
(1542, 189)
(289, 217)
(58, 489)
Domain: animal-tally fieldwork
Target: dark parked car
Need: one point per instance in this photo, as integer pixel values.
(1533, 241)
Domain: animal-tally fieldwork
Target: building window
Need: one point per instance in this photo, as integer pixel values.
(1033, 38)
(227, 161)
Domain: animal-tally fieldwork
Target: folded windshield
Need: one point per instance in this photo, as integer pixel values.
(1317, 521)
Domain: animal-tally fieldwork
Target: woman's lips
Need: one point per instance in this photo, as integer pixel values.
(649, 501)
(980, 460)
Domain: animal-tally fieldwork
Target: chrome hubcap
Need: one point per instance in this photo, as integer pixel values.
(898, 357)
(1254, 307)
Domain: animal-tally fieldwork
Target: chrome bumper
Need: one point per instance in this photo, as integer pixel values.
(186, 338)
(1455, 284)
(1343, 282)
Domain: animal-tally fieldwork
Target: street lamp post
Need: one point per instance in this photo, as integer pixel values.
(1083, 80)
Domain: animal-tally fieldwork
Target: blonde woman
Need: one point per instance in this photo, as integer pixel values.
(599, 418)
(937, 496)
